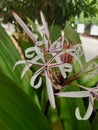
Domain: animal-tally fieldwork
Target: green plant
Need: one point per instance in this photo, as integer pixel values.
(63, 71)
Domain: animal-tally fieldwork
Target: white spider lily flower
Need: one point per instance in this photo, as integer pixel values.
(91, 93)
(56, 47)
(49, 55)
(45, 68)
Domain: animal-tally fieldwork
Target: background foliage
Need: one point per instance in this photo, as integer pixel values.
(56, 12)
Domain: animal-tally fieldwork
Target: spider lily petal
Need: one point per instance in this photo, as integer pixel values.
(44, 39)
(39, 43)
(62, 67)
(19, 62)
(24, 26)
(66, 67)
(26, 68)
(89, 110)
(45, 25)
(78, 50)
(40, 30)
(50, 91)
(71, 52)
(32, 49)
(28, 51)
(78, 94)
(57, 45)
(29, 63)
(34, 78)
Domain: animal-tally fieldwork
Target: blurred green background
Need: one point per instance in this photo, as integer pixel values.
(56, 12)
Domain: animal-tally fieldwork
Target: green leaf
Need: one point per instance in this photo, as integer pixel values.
(89, 75)
(71, 35)
(94, 123)
(25, 44)
(17, 109)
(93, 2)
(55, 33)
(8, 57)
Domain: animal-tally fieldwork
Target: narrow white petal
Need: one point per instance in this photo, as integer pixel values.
(71, 52)
(45, 25)
(78, 50)
(95, 89)
(46, 43)
(32, 49)
(89, 110)
(65, 68)
(26, 68)
(61, 67)
(24, 26)
(37, 50)
(57, 45)
(19, 62)
(36, 58)
(28, 51)
(40, 29)
(78, 94)
(50, 91)
(31, 63)
(33, 81)
(79, 61)
(39, 43)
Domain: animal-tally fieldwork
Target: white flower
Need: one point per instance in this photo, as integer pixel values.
(47, 56)
(45, 66)
(91, 93)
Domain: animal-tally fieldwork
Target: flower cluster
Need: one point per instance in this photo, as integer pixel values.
(54, 61)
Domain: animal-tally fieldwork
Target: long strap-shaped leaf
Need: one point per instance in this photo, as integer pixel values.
(8, 57)
(17, 110)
